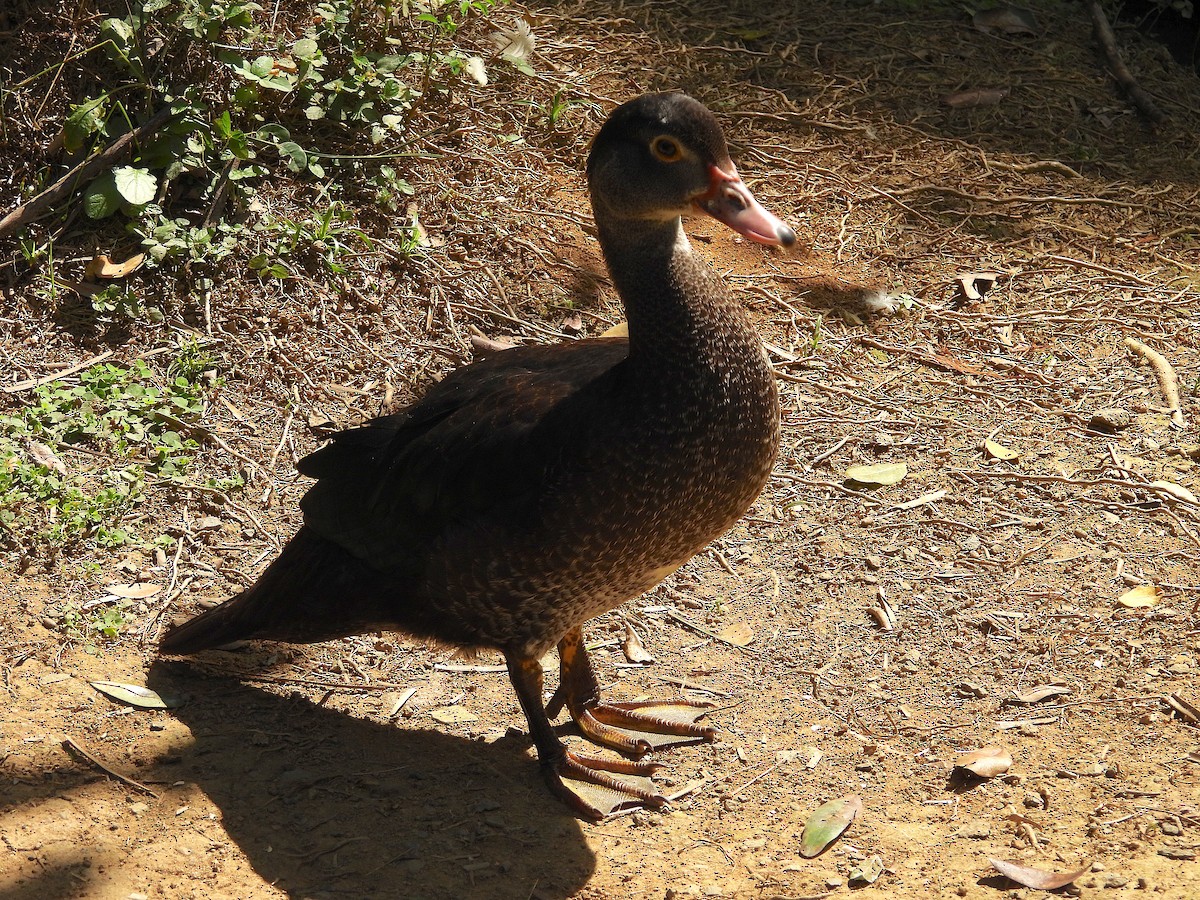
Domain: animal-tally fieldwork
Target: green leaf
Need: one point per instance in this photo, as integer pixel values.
(521, 65)
(85, 120)
(827, 824)
(223, 125)
(118, 31)
(293, 153)
(261, 67)
(389, 64)
(273, 133)
(137, 186)
(101, 199)
(305, 48)
(136, 695)
(238, 146)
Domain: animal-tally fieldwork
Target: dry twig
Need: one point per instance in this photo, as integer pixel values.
(1168, 381)
(73, 748)
(28, 212)
(1108, 43)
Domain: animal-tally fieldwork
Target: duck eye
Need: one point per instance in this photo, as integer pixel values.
(666, 149)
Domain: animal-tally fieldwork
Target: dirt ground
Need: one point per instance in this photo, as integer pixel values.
(289, 771)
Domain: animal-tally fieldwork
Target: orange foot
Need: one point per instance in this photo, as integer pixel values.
(587, 784)
(632, 728)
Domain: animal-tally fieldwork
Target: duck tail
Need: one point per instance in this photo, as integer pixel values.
(304, 596)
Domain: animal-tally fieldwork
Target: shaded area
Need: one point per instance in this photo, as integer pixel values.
(1180, 34)
(829, 69)
(326, 805)
(63, 875)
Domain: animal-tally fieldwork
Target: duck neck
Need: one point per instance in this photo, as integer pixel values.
(680, 313)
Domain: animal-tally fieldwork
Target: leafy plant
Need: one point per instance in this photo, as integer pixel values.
(118, 301)
(243, 99)
(328, 238)
(92, 625)
(111, 410)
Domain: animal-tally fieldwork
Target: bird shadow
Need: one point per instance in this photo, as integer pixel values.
(324, 804)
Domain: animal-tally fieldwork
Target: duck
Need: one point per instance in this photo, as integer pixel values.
(539, 487)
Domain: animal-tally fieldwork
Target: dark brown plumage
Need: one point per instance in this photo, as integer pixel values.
(535, 489)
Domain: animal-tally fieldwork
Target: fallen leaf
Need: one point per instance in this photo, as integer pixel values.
(1035, 878)
(454, 715)
(418, 229)
(1045, 692)
(973, 285)
(883, 614)
(1186, 710)
(398, 701)
(634, 650)
(1006, 20)
(737, 633)
(1141, 597)
(621, 329)
(133, 591)
(1178, 491)
(986, 762)
(827, 824)
(44, 456)
(484, 345)
(999, 451)
(970, 99)
(868, 871)
(102, 267)
(957, 365)
(880, 473)
(136, 695)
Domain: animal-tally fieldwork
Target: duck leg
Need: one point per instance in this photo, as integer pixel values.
(610, 724)
(560, 766)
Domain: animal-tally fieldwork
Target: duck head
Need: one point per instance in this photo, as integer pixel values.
(661, 156)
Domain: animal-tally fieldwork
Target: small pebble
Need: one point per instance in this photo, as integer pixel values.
(1109, 420)
(977, 830)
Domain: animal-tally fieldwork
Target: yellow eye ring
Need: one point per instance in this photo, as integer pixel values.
(666, 149)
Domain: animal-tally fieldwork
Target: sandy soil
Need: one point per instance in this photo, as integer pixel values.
(288, 771)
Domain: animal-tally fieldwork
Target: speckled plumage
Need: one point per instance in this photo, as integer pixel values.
(531, 491)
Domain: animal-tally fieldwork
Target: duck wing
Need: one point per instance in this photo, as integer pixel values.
(478, 444)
